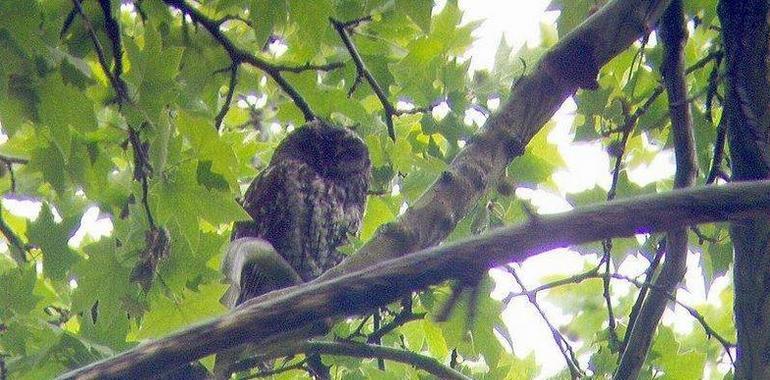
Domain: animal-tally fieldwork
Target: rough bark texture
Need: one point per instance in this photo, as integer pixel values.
(673, 34)
(745, 35)
(302, 307)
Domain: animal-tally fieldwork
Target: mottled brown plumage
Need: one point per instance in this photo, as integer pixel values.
(307, 201)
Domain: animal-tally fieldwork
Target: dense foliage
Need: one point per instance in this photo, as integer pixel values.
(137, 108)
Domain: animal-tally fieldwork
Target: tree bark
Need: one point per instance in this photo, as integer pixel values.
(267, 320)
(745, 36)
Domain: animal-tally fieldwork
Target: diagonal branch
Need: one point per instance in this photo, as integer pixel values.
(269, 318)
(8, 162)
(534, 99)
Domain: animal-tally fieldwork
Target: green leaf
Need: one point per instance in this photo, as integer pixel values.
(677, 364)
(377, 213)
(267, 14)
(418, 11)
(52, 238)
(572, 13)
(207, 145)
(167, 315)
(102, 294)
(152, 77)
(16, 295)
(63, 109)
(181, 198)
(312, 19)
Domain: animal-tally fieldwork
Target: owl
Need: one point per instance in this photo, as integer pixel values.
(306, 204)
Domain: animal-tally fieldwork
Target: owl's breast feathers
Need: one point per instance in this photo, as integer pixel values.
(303, 215)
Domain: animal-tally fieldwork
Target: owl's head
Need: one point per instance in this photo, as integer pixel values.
(335, 152)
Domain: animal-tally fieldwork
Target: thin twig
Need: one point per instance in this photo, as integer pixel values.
(595, 274)
(564, 346)
(8, 162)
(141, 163)
(142, 170)
(239, 56)
(362, 71)
(287, 368)
(101, 57)
(113, 32)
(400, 320)
(14, 240)
(13, 160)
(612, 325)
(228, 97)
(363, 350)
(355, 22)
(719, 151)
(705, 238)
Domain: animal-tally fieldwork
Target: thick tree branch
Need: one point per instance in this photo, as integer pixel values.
(534, 99)
(239, 56)
(267, 318)
(745, 34)
(673, 35)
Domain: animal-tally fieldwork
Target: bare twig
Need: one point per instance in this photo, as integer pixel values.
(228, 97)
(705, 238)
(101, 57)
(239, 56)
(342, 29)
(113, 32)
(142, 171)
(719, 151)
(8, 162)
(13, 160)
(564, 346)
(362, 71)
(402, 318)
(594, 274)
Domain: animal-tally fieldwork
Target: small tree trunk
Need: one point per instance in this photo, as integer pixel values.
(745, 36)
